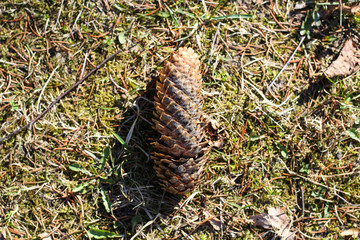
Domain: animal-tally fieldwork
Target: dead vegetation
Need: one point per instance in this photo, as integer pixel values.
(83, 170)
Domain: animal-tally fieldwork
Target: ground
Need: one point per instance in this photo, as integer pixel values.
(83, 170)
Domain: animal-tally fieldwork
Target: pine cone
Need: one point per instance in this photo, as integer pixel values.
(180, 156)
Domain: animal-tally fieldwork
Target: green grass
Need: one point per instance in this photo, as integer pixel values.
(71, 177)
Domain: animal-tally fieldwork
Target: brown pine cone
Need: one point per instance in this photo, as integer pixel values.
(179, 156)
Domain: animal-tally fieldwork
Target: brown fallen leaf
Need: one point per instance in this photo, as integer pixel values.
(275, 220)
(354, 232)
(347, 62)
(215, 222)
(212, 129)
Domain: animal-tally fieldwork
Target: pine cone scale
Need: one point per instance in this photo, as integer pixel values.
(179, 132)
(180, 115)
(179, 97)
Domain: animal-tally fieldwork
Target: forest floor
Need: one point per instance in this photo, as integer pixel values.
(287, 159)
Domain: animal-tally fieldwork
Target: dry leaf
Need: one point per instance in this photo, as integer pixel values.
(347, 62)
(352, 10)
(275, 220)
(214, 124)
(212, 130)
(354, 232)
(217, 144)
(215, 222)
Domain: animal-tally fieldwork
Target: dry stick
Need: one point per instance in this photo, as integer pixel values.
(61, 96)
(287, 63)
(302, 202)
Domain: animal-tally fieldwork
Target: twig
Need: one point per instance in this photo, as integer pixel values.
(43, 90)
(337, 215)
(341, 12)
(287, 63)
(302, 202)
(58, 17)
(61, 96)
(213, 43)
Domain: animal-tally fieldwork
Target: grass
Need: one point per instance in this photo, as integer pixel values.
(83, 170)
